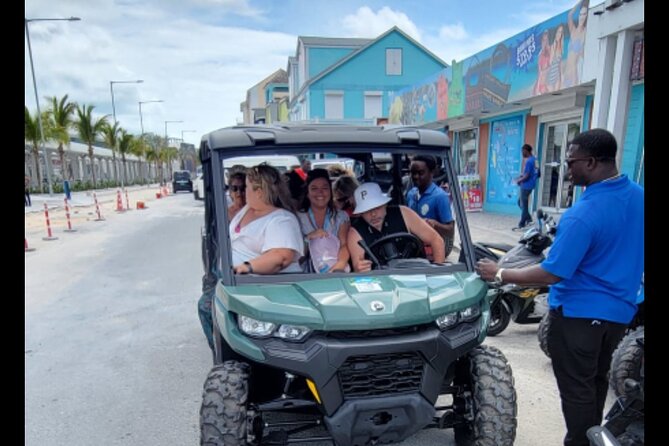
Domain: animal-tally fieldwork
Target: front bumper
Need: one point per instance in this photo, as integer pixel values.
(348, 369)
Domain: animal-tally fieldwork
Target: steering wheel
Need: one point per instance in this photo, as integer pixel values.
(401, 245)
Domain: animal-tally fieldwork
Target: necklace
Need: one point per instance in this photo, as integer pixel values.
(614, 177)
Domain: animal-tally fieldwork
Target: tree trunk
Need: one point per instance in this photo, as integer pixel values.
(115, 168)
(37, 170)
(90, 156)
(125, 170)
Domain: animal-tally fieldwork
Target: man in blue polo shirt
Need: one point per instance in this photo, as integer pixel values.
(429, 200)
(595, 267)
(526, 181)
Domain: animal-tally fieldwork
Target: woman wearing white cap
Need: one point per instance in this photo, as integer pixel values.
(377, 220)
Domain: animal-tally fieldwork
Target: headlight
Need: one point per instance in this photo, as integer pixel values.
(292, 332)
(255, 328)
(447, 321)
(470, 313)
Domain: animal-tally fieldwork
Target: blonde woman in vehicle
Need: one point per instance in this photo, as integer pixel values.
(265, 234)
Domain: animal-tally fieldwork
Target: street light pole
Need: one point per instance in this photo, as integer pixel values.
(111, 88)
(141, 121)
(166, 122)
(47, 162)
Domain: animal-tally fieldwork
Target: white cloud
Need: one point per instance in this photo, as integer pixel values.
(447, 50)
(367, 23)
(453, 32)
(200, 70)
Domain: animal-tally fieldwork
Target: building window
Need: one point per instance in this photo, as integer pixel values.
(334, 105)
(466, 152)
(394, 61)
(373, 104)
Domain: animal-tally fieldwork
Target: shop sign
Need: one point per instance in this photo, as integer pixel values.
(470, 188)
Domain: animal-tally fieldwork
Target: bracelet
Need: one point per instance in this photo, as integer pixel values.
(248, 264)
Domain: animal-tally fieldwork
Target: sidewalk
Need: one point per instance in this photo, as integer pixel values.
(82, 209)
(84, 198)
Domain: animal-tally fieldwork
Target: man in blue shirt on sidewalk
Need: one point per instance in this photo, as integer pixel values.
(595, 267)
(526, 181)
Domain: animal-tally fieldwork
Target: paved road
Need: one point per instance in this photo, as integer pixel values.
(114, 353)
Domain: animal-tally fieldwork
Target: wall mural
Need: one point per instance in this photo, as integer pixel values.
(540, 60)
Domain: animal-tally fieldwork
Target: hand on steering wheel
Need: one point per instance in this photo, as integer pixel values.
(401, 245)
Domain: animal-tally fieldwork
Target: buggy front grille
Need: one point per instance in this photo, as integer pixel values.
(374, 375)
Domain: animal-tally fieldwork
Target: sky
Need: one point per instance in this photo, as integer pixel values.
(201, 56)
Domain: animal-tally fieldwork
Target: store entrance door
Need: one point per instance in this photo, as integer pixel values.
(556, 191)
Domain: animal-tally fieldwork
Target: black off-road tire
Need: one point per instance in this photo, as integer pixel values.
(499, 319)
(626, 361)
(223, 411)
(542, 334)
(494, 403)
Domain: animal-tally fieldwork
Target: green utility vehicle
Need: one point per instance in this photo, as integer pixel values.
(349, 358)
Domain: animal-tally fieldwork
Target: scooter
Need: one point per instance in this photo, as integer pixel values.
(522, 304)
(625, 421)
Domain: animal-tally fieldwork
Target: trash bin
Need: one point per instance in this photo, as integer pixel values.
(66, 189)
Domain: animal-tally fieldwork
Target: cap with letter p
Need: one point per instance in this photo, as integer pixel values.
(367, 197)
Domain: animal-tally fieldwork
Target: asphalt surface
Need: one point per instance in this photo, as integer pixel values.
(114, 352)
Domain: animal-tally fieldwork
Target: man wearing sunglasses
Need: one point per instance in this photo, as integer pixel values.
(595, 266)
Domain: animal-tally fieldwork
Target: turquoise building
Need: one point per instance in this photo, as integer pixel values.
(350, 80)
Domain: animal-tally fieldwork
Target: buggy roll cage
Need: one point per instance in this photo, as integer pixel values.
(343, 140)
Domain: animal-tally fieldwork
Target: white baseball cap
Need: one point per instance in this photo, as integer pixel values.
(367, 197)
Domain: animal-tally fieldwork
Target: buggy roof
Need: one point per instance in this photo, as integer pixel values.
(313, 137)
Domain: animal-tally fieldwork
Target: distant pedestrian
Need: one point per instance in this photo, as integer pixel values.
(27, 191)
(594, 267)
(527, 180)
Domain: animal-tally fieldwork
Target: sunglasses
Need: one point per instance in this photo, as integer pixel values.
(569, 161)
(342, 199)
(237, 188)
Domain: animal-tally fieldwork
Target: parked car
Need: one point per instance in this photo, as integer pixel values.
(181, 181)
(198, 188)
(356, 358)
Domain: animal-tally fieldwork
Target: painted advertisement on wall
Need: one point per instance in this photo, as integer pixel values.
(506, 139)
(545, 58)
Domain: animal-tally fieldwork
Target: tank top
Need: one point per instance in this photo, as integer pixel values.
(392, 224)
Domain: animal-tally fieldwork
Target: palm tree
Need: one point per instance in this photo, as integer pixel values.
(88, 129)
(59, 123)
(110, 134)
(124, 145)
(32, 134)
(151, 155)
(171, 154)
(138, 148)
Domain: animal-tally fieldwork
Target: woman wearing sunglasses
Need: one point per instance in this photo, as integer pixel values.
(343, 189)
(237, 190)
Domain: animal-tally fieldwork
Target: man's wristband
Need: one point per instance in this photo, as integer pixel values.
(498, 277)
(250, 267)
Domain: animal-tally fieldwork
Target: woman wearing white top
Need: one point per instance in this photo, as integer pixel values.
(265, 235)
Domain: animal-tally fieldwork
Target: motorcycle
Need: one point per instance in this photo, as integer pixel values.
(522, 304)
(625, 421)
